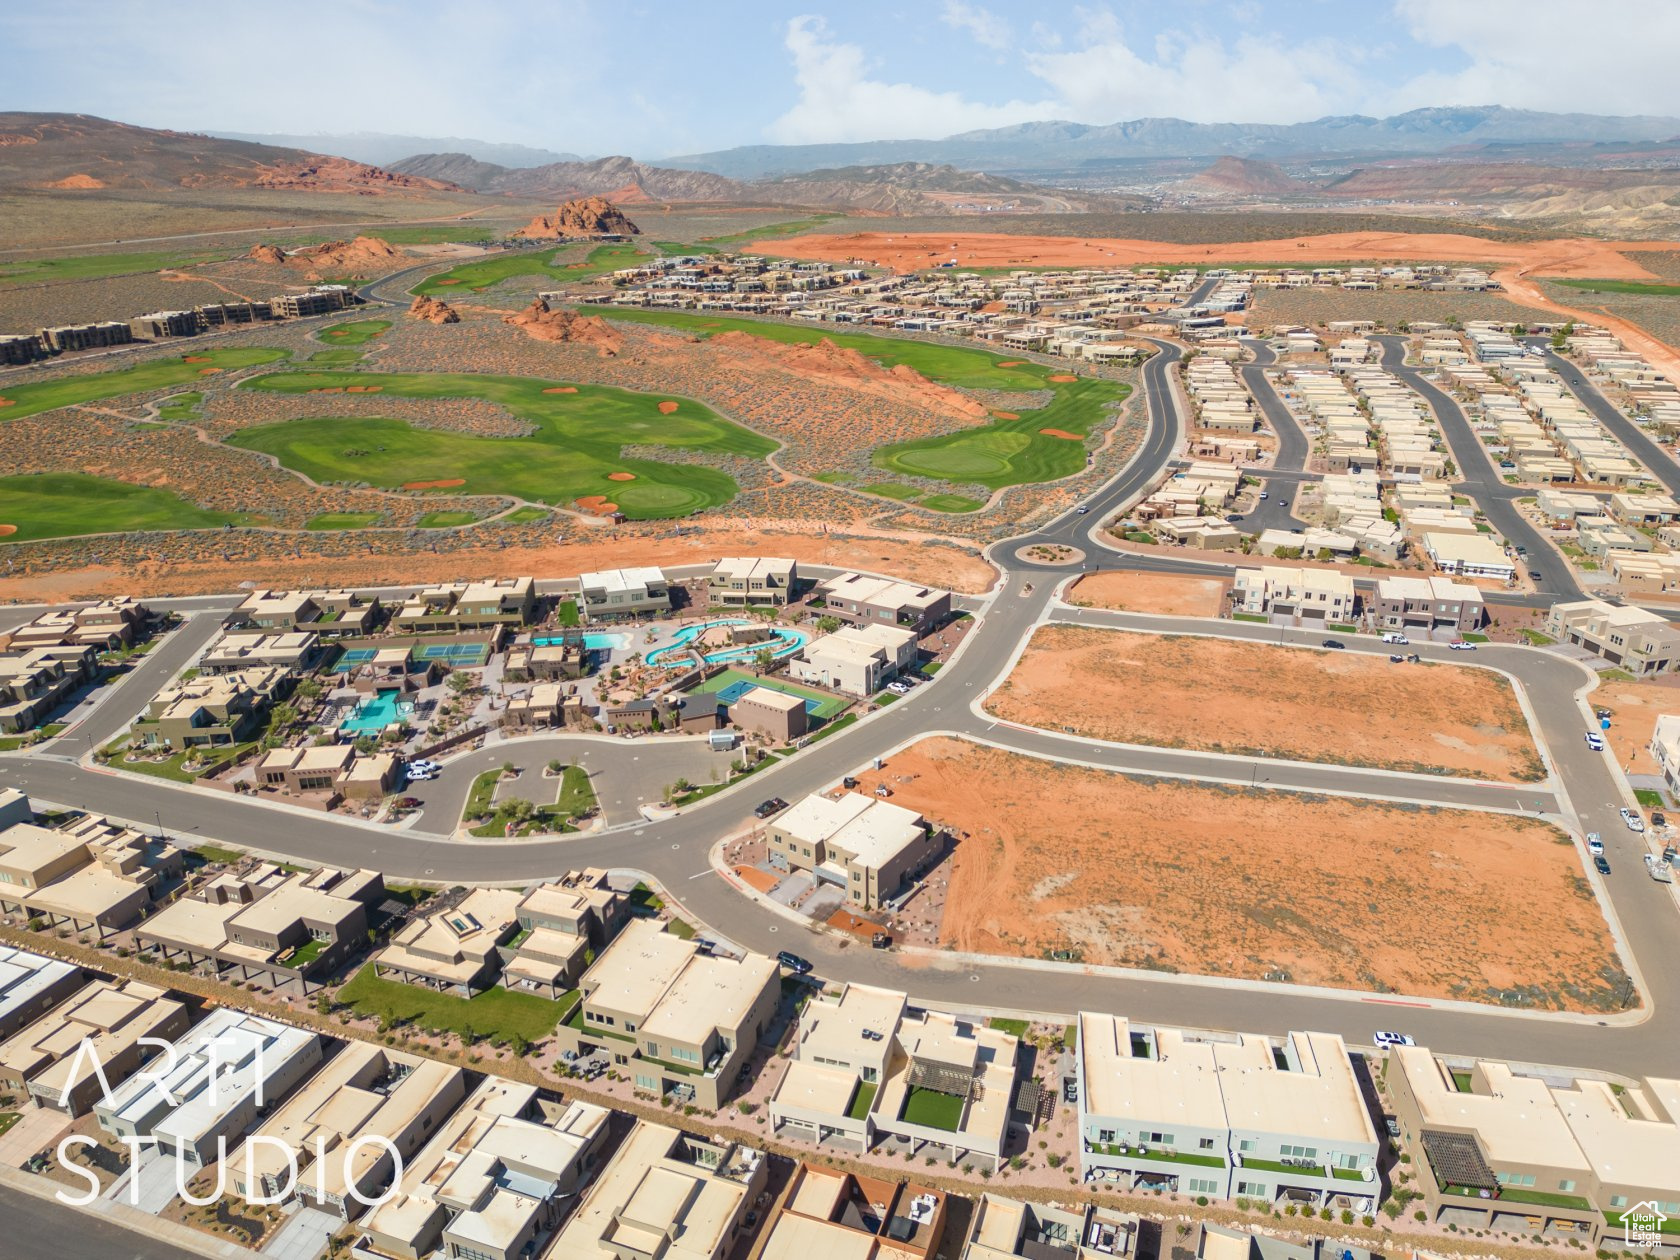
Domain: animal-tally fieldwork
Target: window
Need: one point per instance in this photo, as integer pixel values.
(1105, 1135)
(1245, 1145)
(646, 1082)
(1298, 1152)
(1204, 1144)
(1203, 1185)
(1515, 1179)
(1157, 1139)
(1567, 1185)
(1618, 1200)
(1254, 1189)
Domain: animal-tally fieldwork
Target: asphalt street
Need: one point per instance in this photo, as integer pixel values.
(1293, 448)
(39, 1229)
(1636, 439)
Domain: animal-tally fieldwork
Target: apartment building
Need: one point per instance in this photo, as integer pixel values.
(1427, 603)
(223, 1073)
(858, 660)
(1304, 597)
(824, 1213)
(1003, 1228)
(297, 652)
(460, 606)
(211, 711)
(863, 600)
(454, 950)
(30, 986)
(279, 928)
(90, 876)
(1665, 749)
(676, 1021)
(613, 593)
(869, 847)
(563, 926)
(110, 1017)
(36, 682)
(327, 613)
(107, 625)
(867, 1068)
(1494, 1149)
(329, 1127)
(753, 580)
(666, 1195)
(1635, 639)
(777, 715)
(1224, 1118)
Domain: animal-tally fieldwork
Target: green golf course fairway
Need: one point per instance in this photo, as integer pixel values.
(31, 400)
(62, 505)
(577, 444)
(354, 333)
(1002, 453)
(474, 277)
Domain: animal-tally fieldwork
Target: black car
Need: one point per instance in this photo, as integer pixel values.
(794, 963)
(1333, 643)
(774, 805)
(1535, 574)
(1658, 818)
(1600, 865)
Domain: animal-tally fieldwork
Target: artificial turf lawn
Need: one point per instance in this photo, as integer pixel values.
(62, 505)
(576, 445)
(31, 400)
(932, 1110)
(495, 1013)
(1002, 453)
(355, 332)
(474, 277)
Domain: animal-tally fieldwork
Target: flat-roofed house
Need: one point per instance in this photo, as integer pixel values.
(674, 1020)
(1468, 555)
(92, 876)
(865, 600)
(1427, 603)
(296, 651)
(858, 660)
(1636, 639)
(830, 1215)
(634, 592)
(488, 605)
(30, 986)
(222, 1075)
(867, 1068)
(763, 581)
(563, 925)
(779, 716)
(1665, 749)
(869, 847)
(211, 711)
(108, 1017)
(1001, 1229)
(1308, 597)
(35, 682)
(665, 1195)
(363, 1092)
(457, 950)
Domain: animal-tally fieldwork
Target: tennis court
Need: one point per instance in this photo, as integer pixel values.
(732, 684)
(353, 657)
(458, 655)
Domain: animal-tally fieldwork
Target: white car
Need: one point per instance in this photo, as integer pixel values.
(899, 688)
(1392, 1039)
(418, 775)
(1595, 741)
(1082, 509)
(1595, 844)
(1634, 822)
(1459, 645)
(1265, 494)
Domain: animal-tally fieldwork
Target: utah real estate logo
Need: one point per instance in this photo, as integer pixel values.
(1642, 1225)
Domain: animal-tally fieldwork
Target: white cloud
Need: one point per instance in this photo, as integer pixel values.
(1610, 57)
(986, 27)
(839, 101)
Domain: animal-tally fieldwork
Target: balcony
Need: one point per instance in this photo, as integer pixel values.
(1299, 1168)
(1154, 1154)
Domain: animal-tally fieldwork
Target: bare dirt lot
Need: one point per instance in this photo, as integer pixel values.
(1182, 877)
(1634, 708)
(1217, 695)
(1168, 594)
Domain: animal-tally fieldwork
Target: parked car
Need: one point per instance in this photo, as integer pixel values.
(1392, 1039)
(1334, 643)
(1658, 818)
(1395, 637)
(1595, 843)
(1398, 660)
(899, 687)
(424, 763)
(882, 790)
(794, 963)
(881, 940)
(1595, 741)
(774, 805)
(1634, 822)
(1264, 494)
(421, 774)
(1536, 575)
(1600, 865)
(1460, 645)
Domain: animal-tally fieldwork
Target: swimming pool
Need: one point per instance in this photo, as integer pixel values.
(376, 712)
(783, 641)
(592, 642)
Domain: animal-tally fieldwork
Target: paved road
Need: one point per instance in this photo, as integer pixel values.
(1482, 480)
(1282, 481)
(675, 851)
(1636, 439)
(38, 1228)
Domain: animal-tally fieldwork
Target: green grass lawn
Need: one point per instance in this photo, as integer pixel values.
(572, 454)
(327, 521)
(432, 234)
(1002, 453)
(788, 227)
(1650, 798)
(577, 793)
(181, 406)
(862, 1099)
(8, 1119)
(338, 356)
(1619, 286)
(952, 503)
(447, 520)
(681, 250)
(31, 400)
(214, 853)
(95, 266)
(495, 1013)
(1014, 1027)
(63, 505)
(567, 614)
(525, 515)
(485, 273)
(483, 791)
(932, 1110)
(892, 490)
(355, 333)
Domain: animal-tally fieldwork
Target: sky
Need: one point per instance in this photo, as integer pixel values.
(658, 79)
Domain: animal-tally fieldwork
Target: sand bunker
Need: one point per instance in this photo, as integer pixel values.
(363, 389)
(1061, 433)
(208, 371)
(562, 389)
(1014, 363)
(195, 358)
(621, 476)
(8, 402)
(596, 503)
(7, 530)
(666, 408)
(1006, 415)
(447, 484)
(1062, 378)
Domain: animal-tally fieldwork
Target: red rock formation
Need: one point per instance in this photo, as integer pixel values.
(584, 216)
(433, 311)
(271, 254)
(336, 174)
(543, 323)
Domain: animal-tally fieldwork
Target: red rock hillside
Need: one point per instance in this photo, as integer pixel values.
(543, 323)
(433, 311)
(583, 216)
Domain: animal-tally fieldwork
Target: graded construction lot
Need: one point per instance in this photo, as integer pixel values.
(1175, 876)
(1164, 594)
(1260, 699)
(572, 455)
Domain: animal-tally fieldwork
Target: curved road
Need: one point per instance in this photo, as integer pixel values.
(675, 851)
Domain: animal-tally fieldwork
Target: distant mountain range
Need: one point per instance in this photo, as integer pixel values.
(382, 149)
(1065, 146)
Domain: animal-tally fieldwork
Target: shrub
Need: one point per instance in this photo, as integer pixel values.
(1201, 1200)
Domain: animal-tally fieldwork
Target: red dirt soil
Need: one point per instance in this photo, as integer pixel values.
(666, 408)
(621, 476)
(195, 358)
(1174, 876)
(1061, 433)
(910, 252)
(542, 323)
(596, 503)
(1166, 594)
(447, 484)
(562, 389)
(1014, 363)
